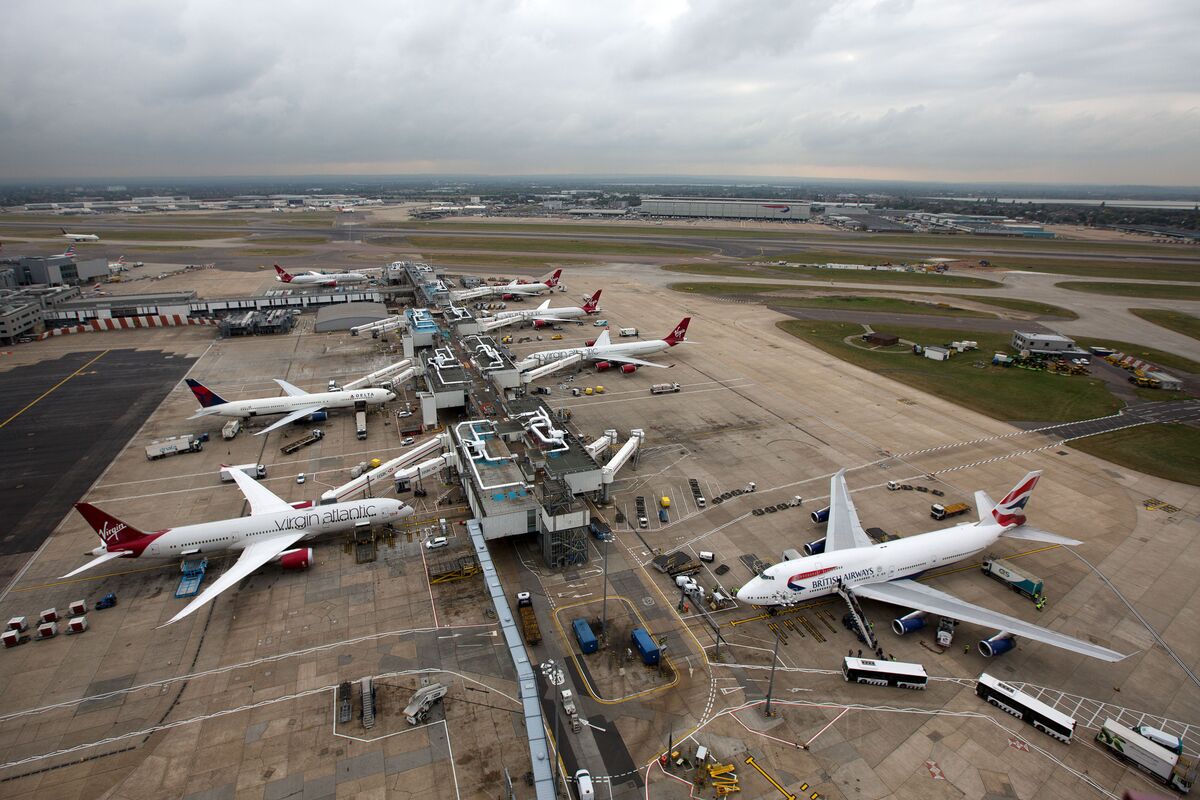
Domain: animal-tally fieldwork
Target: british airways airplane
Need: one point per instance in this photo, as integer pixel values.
(852, 565)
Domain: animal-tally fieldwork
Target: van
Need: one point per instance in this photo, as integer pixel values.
(583, 785)
(436, 542)
(707, 556)
(1161, 738)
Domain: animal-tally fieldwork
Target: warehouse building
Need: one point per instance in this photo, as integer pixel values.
(344, 316)
(1043, 343)
(724, 208)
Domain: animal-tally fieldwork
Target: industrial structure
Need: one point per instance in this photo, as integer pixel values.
(724, 208)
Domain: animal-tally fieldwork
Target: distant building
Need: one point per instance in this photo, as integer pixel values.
(724, 208)
(881, 339)
(1168, 382)
(59, 270)
(1043, 343)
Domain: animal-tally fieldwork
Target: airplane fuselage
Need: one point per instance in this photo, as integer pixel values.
(570, 312)
(632, 349)
(285, 405)
(815, 576)
(81, 237)
(240, 532)
(328, 280)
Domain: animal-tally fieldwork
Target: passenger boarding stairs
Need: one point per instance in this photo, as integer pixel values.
(860, 619)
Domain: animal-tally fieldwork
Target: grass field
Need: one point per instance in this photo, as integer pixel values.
(531, 245)
(836, 275)
(889, 305)
(157, 248)
(1170, 451)
(1007, 394)
(841, 257)
(514, 261)
(718, 289)
(1176, 321)
(1015, 304)
(273, 240)
(1160, 357)
(1163, 291)
(1095, 268)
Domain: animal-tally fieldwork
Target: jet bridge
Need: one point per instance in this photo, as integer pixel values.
(390, 322)
(472, 294)
(380, 375)
(628, 450)
(379, 476)
(601, 445)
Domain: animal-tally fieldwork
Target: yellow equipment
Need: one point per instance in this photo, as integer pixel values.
(665, 502)
(588, 391)
(375, 462)
(599, 390)
(556, 336)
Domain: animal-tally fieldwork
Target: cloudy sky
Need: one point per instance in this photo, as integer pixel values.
(1101, 91)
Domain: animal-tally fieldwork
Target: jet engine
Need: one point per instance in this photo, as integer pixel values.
(506, 297)
(602, 365)
(589, 343)
(540, 323)
(819, 516)
(998, 645)
(301, 558)
(628, 368)
(814, 548)
(909, 623)
(316, 416)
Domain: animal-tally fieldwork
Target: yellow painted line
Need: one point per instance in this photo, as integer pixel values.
(788, 795)
(42, 396)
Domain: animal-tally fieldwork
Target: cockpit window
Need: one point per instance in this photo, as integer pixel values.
(766, 576)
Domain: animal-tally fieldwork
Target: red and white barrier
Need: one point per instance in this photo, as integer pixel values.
(126, 323)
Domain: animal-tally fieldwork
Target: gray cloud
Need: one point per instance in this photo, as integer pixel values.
(1102, 91)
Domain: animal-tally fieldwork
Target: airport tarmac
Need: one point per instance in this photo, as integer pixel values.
(238, 700)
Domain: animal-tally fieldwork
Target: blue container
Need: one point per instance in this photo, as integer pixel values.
(646, 647)
(585, 637)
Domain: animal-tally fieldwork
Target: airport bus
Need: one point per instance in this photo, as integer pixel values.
(884, 673)
(1025, 707)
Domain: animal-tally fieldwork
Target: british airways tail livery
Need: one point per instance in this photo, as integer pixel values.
(853, 566)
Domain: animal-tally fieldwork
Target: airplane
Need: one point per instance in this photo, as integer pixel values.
(537, 287)
(543, 315)
(314, 278)
(607, 355)
(68, 253)
(118, 265)
(853, 567)
(268, 534)
(296, 405)
(79, 237)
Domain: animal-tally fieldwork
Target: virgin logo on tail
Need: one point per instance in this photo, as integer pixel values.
(680, 333)
(553, 281)
(590, 305)
(283, 274)
(110, 534)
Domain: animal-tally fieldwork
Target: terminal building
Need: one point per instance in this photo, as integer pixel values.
(724, 208)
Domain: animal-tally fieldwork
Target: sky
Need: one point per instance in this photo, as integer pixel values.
(1023, 90)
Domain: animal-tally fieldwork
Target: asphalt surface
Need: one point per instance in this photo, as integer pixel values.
(921, 320)
(90, 404)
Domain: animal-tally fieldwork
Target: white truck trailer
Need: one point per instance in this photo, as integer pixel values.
(258, 471)
(1170, 769)
(161, 448)
(664, 388)
(231, 429)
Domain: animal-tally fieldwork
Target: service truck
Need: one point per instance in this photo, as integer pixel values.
(1017, 578)
(417, 711)
(360, 424)
(664, 388)
(161, 448)
(314, 436)
(628, 331)
(231, 429)
(945, 631)
(253, 470)
(1172, 770)
(529, 623)
(568, 702)
(939, 511)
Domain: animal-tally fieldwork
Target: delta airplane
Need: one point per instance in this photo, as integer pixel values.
(79, 237)
(544, 315)
(296, 405)
(314, 278)
(607, 355)
(852, 566)
(268, 534)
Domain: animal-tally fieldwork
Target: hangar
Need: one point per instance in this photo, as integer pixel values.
(724, 207)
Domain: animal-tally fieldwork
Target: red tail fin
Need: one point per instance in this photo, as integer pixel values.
(590, 306)
(283, 274)
(552, 281)
(111, 530)
(679, 334)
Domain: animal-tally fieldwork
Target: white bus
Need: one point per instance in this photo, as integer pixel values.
(884, 673)
(1025, 707)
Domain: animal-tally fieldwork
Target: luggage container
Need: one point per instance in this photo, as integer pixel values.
(77, 624)
(47, 630)
(78, 607)
(585, 637)
(12, 638)
(49, 615)
(17, 624)
(646, 647)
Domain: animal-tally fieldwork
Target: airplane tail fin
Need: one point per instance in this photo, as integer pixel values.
(679, 334)
(112, 531)
(1010, 511)
(70, 251)
(283, 274)
(207, 397)
(984, 505)
(591, 305)
(552, 281)
(64, 230)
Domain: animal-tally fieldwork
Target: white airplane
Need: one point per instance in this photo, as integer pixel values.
(607, 355)
(79, 237)
(268, 534)
(297, 404)
(537, 287)
(544, 315)
(851, 565)
(314, 278)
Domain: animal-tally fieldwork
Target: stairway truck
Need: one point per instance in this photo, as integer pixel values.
(664, 388)
(529, 623)
(231, 429)
(417, 711)
(585, 637)
(646, 647)
(1170, 769)
(1016, 578)
(939, 511)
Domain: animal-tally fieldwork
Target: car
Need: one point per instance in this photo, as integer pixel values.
(406, 441)
(404, 414)
(583, 785)
(436, 542)
(600, 323)
(556, 336)
(301, 478)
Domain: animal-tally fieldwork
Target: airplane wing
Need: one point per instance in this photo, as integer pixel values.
(844, 531)
(95, 562)
(262, 500)
(910, 594)
(250, 560)
(631, 360)
(291, 389)
(299, 413)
